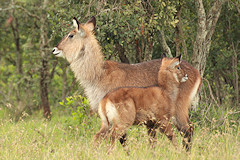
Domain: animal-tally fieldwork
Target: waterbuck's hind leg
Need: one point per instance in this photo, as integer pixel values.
(151, 127)
(123, 140)
(166, 128)
(186, 130)
(118, 132)
(187, 134)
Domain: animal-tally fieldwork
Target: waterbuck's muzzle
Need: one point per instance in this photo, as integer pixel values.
(185, 78)
(57, 52)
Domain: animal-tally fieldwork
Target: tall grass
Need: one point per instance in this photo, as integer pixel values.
(35, 138)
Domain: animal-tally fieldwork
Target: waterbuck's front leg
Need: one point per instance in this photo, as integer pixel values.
(101, 134)
(185, 128)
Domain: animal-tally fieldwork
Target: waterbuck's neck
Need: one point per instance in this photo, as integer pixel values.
(169, 85)
(88, 67)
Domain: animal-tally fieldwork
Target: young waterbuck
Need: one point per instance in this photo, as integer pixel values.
(98, 77)
(127, 106)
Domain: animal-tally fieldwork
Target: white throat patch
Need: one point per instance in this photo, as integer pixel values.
(176, 77)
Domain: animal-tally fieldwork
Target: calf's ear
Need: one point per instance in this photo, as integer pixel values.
(179, 57)
(163, 55)
(176, 61)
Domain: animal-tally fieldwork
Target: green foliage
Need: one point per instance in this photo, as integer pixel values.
(213, 114)
(80, 111)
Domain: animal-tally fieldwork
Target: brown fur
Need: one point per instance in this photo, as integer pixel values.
(98, 77)
(154, 105)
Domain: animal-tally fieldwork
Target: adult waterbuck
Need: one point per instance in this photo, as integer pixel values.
(98, 77)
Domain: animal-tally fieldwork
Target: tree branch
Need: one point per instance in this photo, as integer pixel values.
(164, 45)
(6, 9)
(213, 14)
(212, 19)
(28, 13)
(23, 9)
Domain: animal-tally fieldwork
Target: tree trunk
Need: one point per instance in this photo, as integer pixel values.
(17, 44)
(205, 29)
(138, 51)
(13, 20)
(179, 35)
(235, 72)
(15, 30)
(120, 50)
(148, 49)
(44, 70)
(44, 89)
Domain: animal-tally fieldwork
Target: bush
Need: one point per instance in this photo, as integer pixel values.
(80, 111)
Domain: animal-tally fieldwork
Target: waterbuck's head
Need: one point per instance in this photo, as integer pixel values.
(72, 46)
(171, 68)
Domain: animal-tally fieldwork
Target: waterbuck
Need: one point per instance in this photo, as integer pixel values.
(127, 106)
(97, 76)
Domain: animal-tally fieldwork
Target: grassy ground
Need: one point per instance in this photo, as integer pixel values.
(35, 138)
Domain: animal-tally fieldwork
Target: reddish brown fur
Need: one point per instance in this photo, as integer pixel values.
(154, 105)
(98, 77)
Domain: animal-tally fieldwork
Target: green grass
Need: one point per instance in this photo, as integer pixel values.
(35, 138)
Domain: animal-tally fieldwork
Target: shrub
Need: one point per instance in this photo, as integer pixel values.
(80, 111)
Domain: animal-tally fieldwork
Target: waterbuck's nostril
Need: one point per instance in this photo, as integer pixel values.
(53, 50)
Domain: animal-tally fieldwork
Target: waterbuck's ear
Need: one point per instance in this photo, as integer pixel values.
(179, 57)
(176, 61)
(174, 64)
(91, 23)
(75, 23)
(163, 55)
(78, 27)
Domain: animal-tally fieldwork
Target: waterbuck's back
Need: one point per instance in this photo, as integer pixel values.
(140, 75)
(143, 75)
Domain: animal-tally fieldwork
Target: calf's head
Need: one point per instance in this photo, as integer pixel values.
(171, 67)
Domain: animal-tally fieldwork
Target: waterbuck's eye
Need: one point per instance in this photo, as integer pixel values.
(178, 68)
(70, 36)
